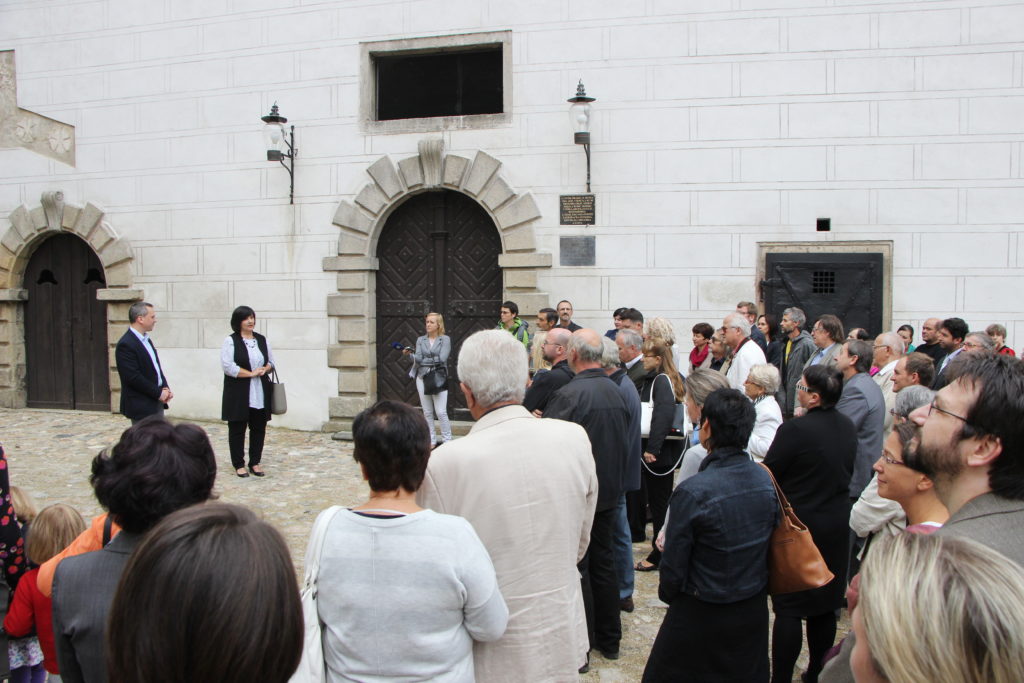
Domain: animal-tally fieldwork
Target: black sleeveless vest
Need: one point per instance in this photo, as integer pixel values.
(235, 401)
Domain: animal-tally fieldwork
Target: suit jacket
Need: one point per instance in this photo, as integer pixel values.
(528, 486)
(140, 389)
(637, 373)
(83, 590)
(862, 402)
(830, 356)
(991, 520)
(941, 379)
(792, 369)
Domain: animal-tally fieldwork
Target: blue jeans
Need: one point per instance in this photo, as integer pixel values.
(623, 547)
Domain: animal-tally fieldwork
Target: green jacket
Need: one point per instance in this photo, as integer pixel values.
(520, 330)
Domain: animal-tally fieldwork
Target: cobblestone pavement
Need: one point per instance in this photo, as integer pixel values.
(49, 454)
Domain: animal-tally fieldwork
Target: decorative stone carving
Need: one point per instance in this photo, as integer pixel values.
(23, 128)
(53, 208)
(430, 157)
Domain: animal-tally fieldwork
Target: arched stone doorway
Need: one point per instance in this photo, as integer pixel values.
(438, 251)
(66, 327)
(361, 223)
(31, 228)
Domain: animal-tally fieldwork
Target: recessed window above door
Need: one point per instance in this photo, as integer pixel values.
(437, 83)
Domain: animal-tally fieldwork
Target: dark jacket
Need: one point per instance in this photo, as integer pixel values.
(545, 384)
(234, 406)
(719, 525)
(631, 479)
(667, 451)
(791, 370)
(592, 400)
(140, 390)
(636, 373)
(812, 459)
(757, 336)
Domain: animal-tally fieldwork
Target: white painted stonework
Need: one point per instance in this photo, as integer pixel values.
(720, 125)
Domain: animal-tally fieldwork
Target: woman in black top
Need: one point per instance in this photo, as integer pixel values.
(247, 360)
(662, 389)
(812, 460)
(714, 569)
(769, 326)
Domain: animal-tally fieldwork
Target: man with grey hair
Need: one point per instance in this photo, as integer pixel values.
(592, 401)
(630, 344)
(798, 348)
(144, 389)
(631, 477)
(862, 402)
(745, 353)
(887, 353)
(532, 511)
(978, 342)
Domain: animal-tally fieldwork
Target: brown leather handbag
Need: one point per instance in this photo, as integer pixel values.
(794, 562)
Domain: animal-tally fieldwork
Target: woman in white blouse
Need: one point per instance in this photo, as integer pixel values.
(247, 360)
(760, 387)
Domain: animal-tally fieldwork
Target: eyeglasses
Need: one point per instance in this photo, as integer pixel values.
(549, 343)
(889, 460)
(933, 407)
(802, 387)
(973, 345)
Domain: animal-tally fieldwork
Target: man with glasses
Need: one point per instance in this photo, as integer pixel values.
(972, 447)
(862, 402)
(545, 384)
(826, 333)
(547, 319)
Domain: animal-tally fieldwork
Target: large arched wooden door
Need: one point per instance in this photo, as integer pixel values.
(438, 252)
(66, 357)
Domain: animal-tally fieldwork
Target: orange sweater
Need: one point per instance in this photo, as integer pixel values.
(89, 540)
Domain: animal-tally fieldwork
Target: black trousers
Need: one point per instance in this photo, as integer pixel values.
(257, 424)
(600, 581)
(658, 491)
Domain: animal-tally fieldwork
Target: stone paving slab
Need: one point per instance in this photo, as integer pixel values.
(49, 454)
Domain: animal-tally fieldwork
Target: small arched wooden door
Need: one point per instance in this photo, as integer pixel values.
(66, 357)
(438, 252)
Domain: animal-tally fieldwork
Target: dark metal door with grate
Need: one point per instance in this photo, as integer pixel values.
(66, 355)
(846, 285)
(438, 252)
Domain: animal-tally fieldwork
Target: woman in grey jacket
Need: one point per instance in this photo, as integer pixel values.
(432, 351)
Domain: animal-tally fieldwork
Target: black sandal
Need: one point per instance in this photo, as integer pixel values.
(261, 473)
(645, 566)
(241, 475)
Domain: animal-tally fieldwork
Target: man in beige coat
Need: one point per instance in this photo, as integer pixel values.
(529, 487)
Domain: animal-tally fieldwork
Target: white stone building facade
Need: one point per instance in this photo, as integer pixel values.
(722, 127)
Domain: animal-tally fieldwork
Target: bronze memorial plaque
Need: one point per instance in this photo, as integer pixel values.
(576, 209)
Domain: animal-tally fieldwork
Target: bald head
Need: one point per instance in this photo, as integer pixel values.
(930, 330)
(585, 350)
(556, 345)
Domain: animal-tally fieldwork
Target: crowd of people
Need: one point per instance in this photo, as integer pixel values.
(509, 554)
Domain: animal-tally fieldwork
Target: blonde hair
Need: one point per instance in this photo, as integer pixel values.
(942, 609)
(664, 353)
(766, 376)
(25, 509)
(660, 328)
(52, 531)
(440, 321)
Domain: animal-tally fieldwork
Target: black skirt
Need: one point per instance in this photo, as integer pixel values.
(703, 641)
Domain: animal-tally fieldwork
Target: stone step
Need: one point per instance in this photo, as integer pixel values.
(459, 428)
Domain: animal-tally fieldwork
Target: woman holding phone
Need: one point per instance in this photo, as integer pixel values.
(431, 352)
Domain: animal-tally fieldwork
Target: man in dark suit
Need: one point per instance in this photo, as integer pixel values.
(545, 384)
(972, 447)
(630, 345)
(144, 389)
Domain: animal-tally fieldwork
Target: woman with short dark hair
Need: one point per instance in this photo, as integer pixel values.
(155, 469)
(714, 568)
(246, 358)
(700, 355)
(209, 595)
(812, 460)
(403, 591)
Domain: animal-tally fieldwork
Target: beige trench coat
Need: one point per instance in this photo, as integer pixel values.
(528, 486)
